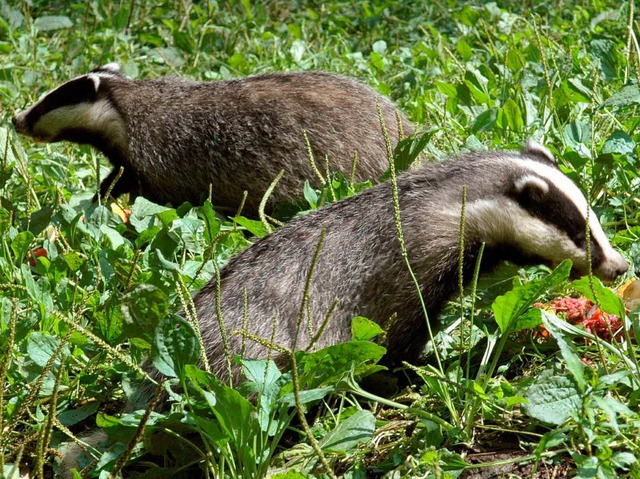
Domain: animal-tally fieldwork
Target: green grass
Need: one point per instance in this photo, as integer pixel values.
(474, 75)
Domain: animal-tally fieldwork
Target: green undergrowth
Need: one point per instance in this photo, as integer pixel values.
(88, 291)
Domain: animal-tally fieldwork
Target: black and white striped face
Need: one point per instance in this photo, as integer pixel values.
(544, 215)
(74, 111)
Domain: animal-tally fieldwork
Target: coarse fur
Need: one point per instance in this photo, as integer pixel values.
(520, 205)
(174, 138)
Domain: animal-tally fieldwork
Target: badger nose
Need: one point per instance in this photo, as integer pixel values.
(18, 122)
(622, 269)
(613, 267)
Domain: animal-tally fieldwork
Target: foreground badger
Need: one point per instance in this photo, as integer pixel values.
(520, 205)
(174, 138)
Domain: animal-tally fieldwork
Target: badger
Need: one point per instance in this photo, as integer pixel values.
(520, 205)
(177, 139)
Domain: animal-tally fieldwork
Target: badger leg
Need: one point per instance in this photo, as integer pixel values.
(127, 183)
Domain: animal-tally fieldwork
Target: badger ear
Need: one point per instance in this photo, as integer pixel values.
(530, 188)
(539, 152)
(112, 67)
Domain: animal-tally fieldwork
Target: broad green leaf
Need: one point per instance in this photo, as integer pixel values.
(364, 329)
(203, 381)
(236, 416)
(511, 305)
(619, 142)
(211, 429)
(625, 460)
(551, 440)
(167, 216)
(379, 46)
(407, 152)
(377, 61)
(628, 95)
(158, 260)
(169, 55)
(254, 227)
(20, 245)
(41, 347)
(532, 318)
(513, 115)
(143, 214)
(13, 15)
(446, 89)
(70, 417)
(552, 399)
(123, 427)
(331, 364)
(485, 121)
(306, 396)
(32, 287)
(52, 22)
(74, 260)
(310, 195)
(577, 134)
(464, 49)
(605, 51)
(264, 380)
(603, 297)
(175, 346)
(40, 219)
(145, 307)
(109, 323)
(346, 436)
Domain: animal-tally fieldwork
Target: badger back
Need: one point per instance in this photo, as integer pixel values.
(178, 139)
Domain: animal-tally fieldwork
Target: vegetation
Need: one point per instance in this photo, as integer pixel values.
(87, 292)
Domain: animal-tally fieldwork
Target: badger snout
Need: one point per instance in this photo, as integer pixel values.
(613, 266)
(19, 122)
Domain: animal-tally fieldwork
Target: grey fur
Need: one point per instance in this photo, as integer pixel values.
(361, 265)
(176, 137)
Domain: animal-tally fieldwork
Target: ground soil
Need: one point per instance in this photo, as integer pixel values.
(511, 461)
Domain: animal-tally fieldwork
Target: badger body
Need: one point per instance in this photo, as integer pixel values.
(520, 205)
(176, 138)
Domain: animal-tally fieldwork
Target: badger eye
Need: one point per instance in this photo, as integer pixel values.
(580, 240)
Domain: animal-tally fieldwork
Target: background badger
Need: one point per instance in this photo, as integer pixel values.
(175, 137)
(521, 205)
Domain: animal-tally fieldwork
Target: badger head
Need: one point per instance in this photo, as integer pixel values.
(75, 111)
(542, 215)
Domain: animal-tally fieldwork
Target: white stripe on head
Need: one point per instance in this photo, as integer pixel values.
(573, 193)
(24, 113)
(99, 117)
(94, 77)
(112, 67)
(504, 220)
